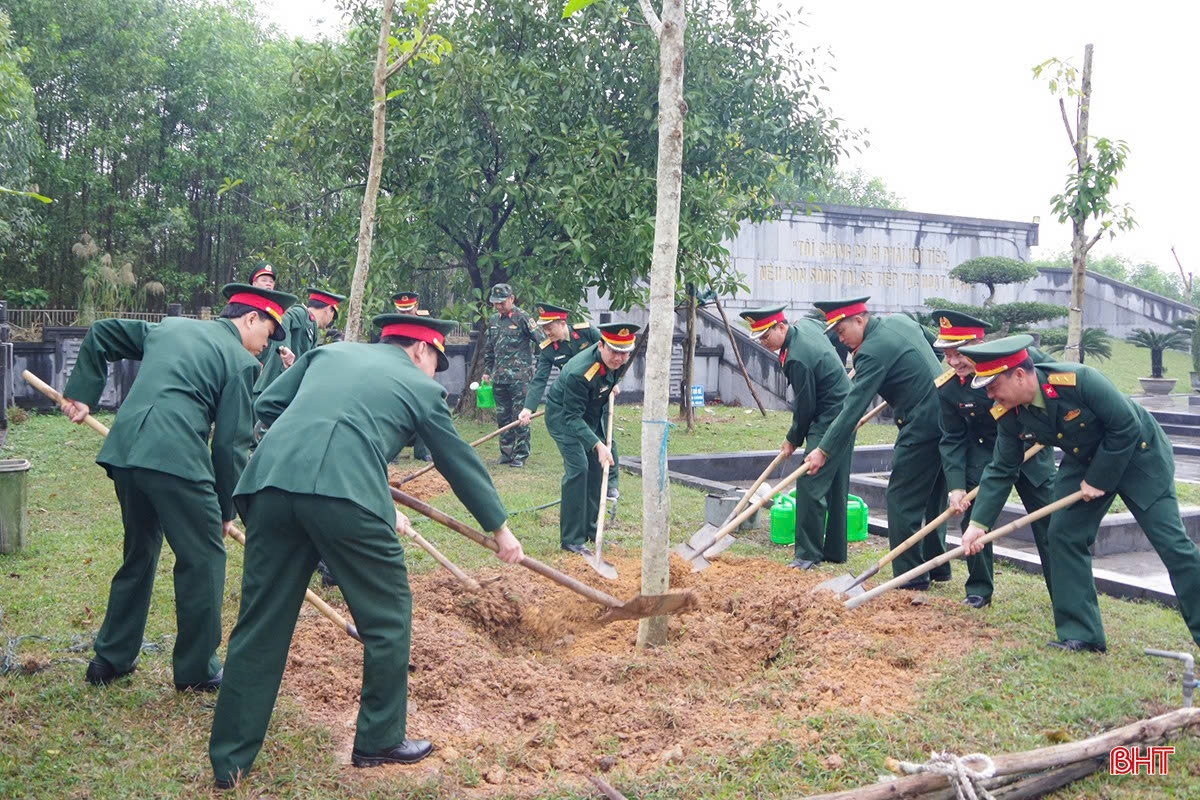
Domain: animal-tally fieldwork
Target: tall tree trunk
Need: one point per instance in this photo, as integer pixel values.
(686, 409)
(656, 506)
(366, 224)
(1079, 239)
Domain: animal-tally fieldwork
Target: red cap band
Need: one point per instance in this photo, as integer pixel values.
(960, 333)
(549, 316)
(406, 304)
(259, 302)
(762, 323)
(839, 314)
(413, 331)
(324, 298)
(623, 339)
(986, 369)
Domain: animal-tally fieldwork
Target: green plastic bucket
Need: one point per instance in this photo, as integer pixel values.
(856, 519)
(484, 397)
(14, 501)
(783, 519)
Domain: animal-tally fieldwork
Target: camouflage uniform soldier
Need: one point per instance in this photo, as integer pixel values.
(512, 338)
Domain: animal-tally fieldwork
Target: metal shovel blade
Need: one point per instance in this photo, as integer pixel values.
(842, 584)
(657, 605)
(603, 568)
(702, 535)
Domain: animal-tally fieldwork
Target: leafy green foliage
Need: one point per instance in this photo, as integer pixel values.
(529, 154)
(842, 187)
(992, 271)
(1096, 343)
(1005, 316)
(1196, 348)
(18, 146)
(1157, 342)
(26, 298)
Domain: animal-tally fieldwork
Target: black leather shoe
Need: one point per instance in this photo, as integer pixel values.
(503, 460)
(101, 674)
(916, 585)
(223, 784)
(517, 462)
(975, 601)
(801, 563)
(410, 751)
(210, 685)
(941, 577)
(1076, 645)
(580, 549)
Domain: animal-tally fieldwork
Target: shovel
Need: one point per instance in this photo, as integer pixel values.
(846, 583)
(311, 597)
(707, 529)
(933, 563)
(715, 542)
(596, 560)
(475, 443)
(635, 608)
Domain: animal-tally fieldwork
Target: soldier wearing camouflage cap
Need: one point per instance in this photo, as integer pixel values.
(512, 339)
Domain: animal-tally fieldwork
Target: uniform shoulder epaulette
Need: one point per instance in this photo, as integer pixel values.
(592, 370)
(581, 326)
(940, 380)
(545, 343)
(998, 411)
(1062, 378)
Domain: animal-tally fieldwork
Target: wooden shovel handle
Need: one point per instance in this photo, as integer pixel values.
(421, 507)
(427, 546)
(603, 514)
(758, 503)
(938, 520)
(327, 610)
(475, 443)
(933, 563)
(775, 462)
(55, 395)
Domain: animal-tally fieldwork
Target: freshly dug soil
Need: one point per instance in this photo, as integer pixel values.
(520, 680)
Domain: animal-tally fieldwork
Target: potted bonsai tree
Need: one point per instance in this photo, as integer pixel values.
(1157, 343)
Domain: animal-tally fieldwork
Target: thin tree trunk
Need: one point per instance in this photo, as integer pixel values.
(366, 224)
(738, 354)
(686, 409)
(1079, 240)
(656, 506)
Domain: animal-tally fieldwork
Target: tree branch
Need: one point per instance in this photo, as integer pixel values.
(651, 18)
(1066, 123)
(1095, 239)
(401, 62)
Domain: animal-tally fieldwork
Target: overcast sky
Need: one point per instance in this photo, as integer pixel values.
(957, 124)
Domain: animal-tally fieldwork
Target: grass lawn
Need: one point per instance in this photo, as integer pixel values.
(61, 738)
(1128, 363)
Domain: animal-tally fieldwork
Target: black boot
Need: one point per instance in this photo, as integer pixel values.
(410, 751)
(210, 685)
(99, 673)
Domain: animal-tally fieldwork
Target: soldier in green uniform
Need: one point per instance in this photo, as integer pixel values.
(1111, 447)
(409, 303)
(892, 358)
(263, 276)
(563, 341)
(317, 487)
(577, 418)
(968, 439)
(819, 387)
(195, 377)
(300, 325)
(507, 364)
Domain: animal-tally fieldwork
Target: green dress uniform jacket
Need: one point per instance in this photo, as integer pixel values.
(301, 336)
(1115, 445)
(317, 487)
(896, 362)
(968, 440)
(195, 378)
(577, 418)
(819, 387)
(557, 354)
(508, 358)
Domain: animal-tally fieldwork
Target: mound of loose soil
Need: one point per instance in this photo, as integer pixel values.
(431, 484)
(521, 674)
